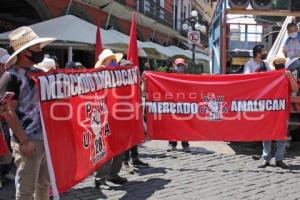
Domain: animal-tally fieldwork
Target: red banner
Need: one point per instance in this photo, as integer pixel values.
(252, 107)
(89, 116)
(3, 145)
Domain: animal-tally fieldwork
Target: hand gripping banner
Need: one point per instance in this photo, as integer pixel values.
(89, 116)
(252, 107)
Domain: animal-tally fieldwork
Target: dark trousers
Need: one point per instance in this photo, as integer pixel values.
(111, 168)
(134, 153)
(183, 143)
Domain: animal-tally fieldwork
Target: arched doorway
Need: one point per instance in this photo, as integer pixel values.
(16, 13)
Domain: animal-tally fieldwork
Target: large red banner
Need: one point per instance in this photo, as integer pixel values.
(89, 116)
(252, 107)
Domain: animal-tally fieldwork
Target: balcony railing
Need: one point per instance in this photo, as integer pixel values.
(152, 9)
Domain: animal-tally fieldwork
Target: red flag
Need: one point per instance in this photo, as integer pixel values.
(98, 48)
(132, 48)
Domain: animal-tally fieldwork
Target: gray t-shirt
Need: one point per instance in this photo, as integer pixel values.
(252, 66)
(18, 80)
(292, 47)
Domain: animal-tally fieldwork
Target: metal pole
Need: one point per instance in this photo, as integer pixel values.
(68, 9)
(70, 53)
(194, 45)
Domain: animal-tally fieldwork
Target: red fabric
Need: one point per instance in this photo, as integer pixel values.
(98, 48)
(68, 121)
(133, 48)
(221, 120)
(3, 145)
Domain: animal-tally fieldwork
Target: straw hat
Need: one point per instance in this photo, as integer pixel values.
(23, 38)
(277, 58)
(46, 64)
(107, 53)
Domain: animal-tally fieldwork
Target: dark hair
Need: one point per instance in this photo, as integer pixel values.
(290, 25)
(257, 49)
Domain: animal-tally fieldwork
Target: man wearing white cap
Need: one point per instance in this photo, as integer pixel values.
(23, 114)
(110, 170)
(4, 56)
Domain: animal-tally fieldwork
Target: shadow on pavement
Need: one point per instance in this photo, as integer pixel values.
(200, 150)
(246, 148)
(91, 192)
(254, 149)
(159, 155)
(142, 171)
(142, 189)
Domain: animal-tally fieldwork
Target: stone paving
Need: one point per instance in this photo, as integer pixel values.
(205, 173)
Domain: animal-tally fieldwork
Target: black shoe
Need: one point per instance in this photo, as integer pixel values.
(101, 184)
(171, 148)
(264, 164)
(186, 149)
(138, 162)
(281, 164)
(118, 180)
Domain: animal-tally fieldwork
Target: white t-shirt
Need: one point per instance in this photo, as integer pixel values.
(251, 66)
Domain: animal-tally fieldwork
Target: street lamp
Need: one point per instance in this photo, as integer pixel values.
(193, 24)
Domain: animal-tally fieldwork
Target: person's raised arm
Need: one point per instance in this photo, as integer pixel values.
(293, 82)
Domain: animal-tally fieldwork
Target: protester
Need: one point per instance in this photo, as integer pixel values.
(133, 152)
(70, 65)
(32, 178)
(257, 64)
(79, 65)
(5, 160)
(110, 170)
(179, 67)
(3, 58)
(46, 65)
(108, 59)
(291, 48)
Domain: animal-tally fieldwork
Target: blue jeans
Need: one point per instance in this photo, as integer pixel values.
(267, 150)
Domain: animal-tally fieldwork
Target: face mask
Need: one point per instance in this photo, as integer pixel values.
(179, 69)
(36, 56)
(279, 66)
(263, 56)
(113, 64)
(293, 35)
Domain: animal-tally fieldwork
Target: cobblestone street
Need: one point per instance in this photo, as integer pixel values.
(210, 171)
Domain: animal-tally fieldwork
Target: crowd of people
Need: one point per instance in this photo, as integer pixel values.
(20, 115)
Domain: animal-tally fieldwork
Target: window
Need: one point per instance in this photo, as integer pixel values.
(245, 32)
(237, 32)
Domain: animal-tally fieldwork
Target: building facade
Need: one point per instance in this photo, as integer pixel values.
(158, 21)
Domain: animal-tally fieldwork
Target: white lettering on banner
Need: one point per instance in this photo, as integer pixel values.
(60, 85)
(258, 105)
(172, 108)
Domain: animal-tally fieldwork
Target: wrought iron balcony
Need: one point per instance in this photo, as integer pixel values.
(153, 10)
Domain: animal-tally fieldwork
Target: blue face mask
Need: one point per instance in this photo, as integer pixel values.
(113, 64)
(179, 68)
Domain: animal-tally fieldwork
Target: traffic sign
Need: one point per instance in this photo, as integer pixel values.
(194, 37)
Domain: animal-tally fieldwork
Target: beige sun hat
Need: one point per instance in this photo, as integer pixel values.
(106, 53)
(277, 58)
(46, 65)
(23, 38)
